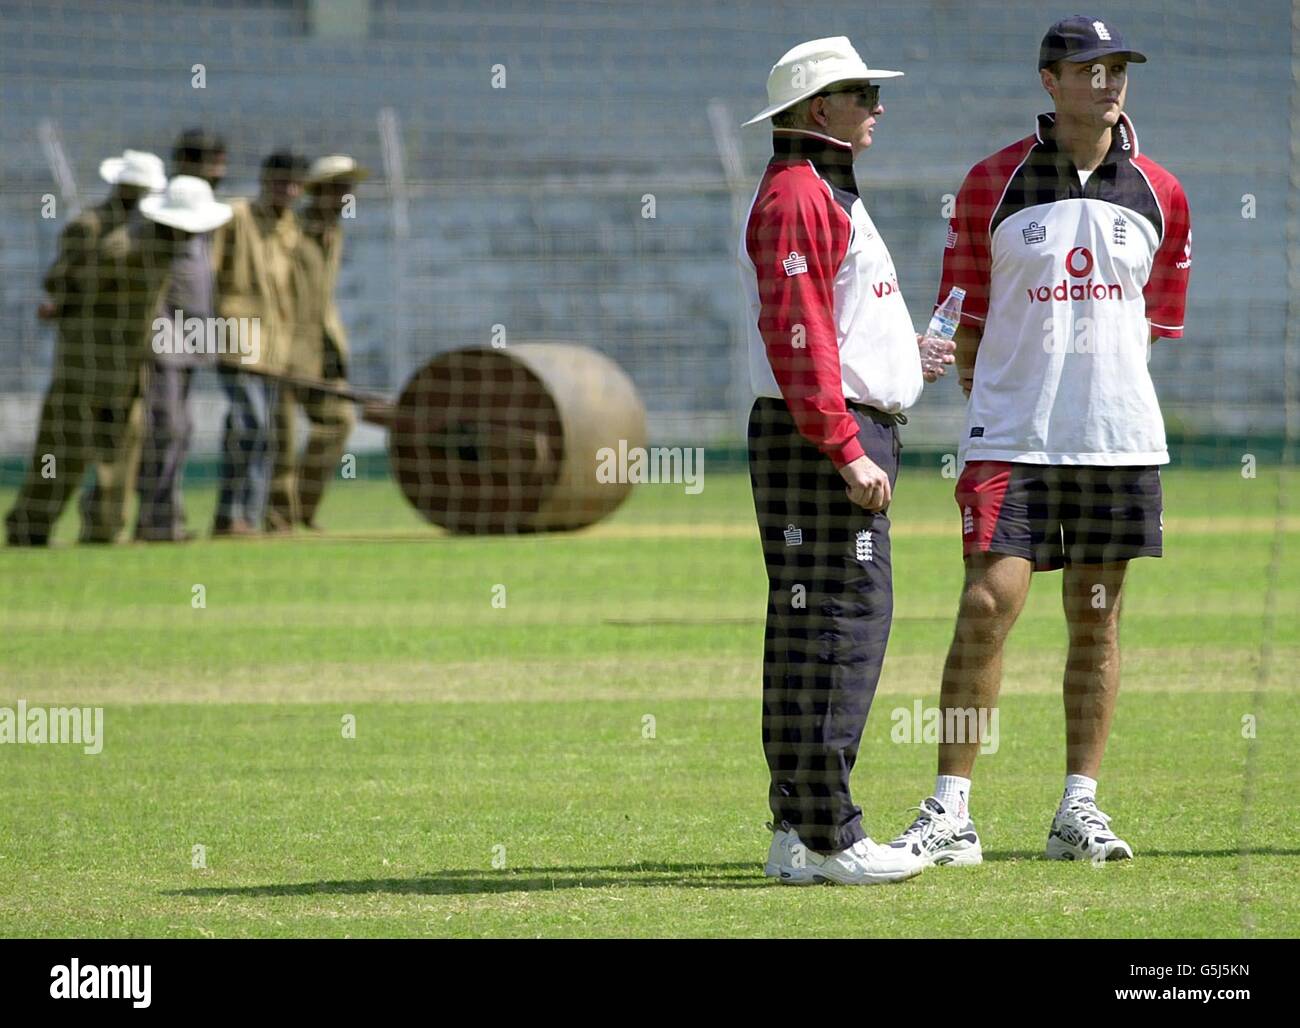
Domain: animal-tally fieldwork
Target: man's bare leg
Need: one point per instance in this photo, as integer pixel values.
(1091, 595)
(991, 600)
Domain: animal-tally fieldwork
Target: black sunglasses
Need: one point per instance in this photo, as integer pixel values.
(868, 96)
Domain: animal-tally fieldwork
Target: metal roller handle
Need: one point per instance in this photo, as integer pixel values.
(375, 407)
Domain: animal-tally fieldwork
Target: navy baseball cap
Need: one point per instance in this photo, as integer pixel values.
(1080, 39)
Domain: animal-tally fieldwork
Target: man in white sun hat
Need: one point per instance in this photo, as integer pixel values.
(132, 265)
(172, 364)
(61, 452)
(135, 263)
(834, 361)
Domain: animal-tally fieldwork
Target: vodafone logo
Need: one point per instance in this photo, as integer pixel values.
(1084, 269)
(883, 289)
(1079, 263)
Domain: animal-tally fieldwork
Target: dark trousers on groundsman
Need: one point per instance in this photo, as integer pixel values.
(105, 501)
(299, 481)
(92, 417)
(167, 442)
(248, 448)
(829, 609)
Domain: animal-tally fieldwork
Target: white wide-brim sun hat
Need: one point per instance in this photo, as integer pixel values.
(811, 67)
(187, 204)
(134, 168)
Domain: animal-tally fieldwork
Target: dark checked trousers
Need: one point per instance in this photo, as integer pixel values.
(824, 644)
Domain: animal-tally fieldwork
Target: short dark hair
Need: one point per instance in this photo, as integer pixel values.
(196, 145)
(794, 115)
(285, 164)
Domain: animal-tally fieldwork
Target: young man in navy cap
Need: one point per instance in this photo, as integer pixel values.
(1074, 249)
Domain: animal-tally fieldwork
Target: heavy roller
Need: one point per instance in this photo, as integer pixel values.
(492, 441)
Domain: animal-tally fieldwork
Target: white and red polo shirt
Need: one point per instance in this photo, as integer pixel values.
(1063, 271)
(827, 322)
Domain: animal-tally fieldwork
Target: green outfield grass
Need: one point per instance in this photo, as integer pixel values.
(500, 781)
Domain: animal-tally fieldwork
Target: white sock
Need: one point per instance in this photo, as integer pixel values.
(1079, 787)
(953, 792)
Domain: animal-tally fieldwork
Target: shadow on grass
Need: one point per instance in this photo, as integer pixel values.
(733, 875)
(995, 856)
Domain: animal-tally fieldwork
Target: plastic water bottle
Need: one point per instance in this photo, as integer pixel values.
(943, 324)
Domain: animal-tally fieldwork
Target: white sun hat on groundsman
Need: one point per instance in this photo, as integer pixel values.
(134, 168)
(336, 166)
(810, 68)
(186, 204)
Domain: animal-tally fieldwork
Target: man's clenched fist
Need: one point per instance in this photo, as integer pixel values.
(868, 485)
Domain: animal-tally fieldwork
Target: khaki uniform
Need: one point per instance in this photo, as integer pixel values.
(253, 259)
(92, 414)
(318, 350)
(330, 240)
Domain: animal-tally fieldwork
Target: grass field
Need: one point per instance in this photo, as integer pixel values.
(500, 782)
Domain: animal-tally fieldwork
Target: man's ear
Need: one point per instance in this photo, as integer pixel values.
(1049, 81)
(817, 111)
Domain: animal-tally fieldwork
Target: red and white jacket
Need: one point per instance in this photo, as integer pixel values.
(1064, 273)
(827, 322)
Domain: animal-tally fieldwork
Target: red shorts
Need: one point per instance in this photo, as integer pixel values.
(1054, 514)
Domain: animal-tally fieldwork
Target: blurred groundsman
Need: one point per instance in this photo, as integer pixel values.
(320, 350)
(88, 411)
(171, 369)
(253, 255)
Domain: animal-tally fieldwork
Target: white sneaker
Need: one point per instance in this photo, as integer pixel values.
(944, 838)
(779, 851)
(863, 863)
(1082, 832)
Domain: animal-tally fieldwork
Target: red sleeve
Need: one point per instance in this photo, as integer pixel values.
(1166, 289)
(797, 237)
(966, 260)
